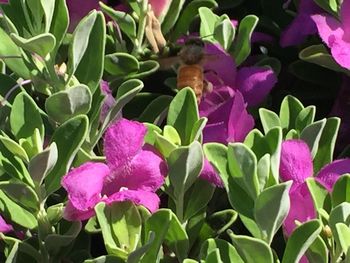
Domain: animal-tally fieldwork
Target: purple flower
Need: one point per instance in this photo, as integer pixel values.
(296, 165)
(133, 172)
(228, 119)
(108, 101)
(4, 227)
(302, 25)
(78, 9)
(250, 81)
(336, 33)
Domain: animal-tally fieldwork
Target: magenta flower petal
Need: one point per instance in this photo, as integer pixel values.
(331, 172)
(230, 118)
(341, 53)
(71, 213)
(4, 227)
(301, 208)
(302, 25)
(108, 101)
(149, 200)
(345, 17)
(240, 121)
(329, 28)
(209, 174)
(255, 83)
(220, 63)
(296, 162)
(79, 9)
(145, 172)
(122, 141)
(212, 100)
(84, 184)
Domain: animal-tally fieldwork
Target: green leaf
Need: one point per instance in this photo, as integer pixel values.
(121, 64)
(69, 103)
(289, 111)
(20, 250)
(41, 44)
(241, 48)
(318, 251)
(319, 55)
(197, 129)
(227, 252)
(188, 14)
(300, 240)
(269, 119)
(164, 146)
(105, 259)
(135, 256)
(341, 190)
(167, 229)
(16, 213)
(57, 244)
(25, 117)
(68, 138)
(329, 5)
(183, 114)
(220, 221)
(156, 110)
(124, 21)
(198, 197)
(263, 171)
(216, 154)
(172, 15)
(80, 41)
(41, 164)
(59, 22)
(305, 117)
(271, 209)
(103, 215)
(312, 135)
(326, 144)
(89, 64)
(208, 22)
(21, 193)
(185, 163)
(242, 164)
(171, 134)
(343, 232)
(251, 249)
(318, 192)
(9, 48)
(14, 148)
(224, 33)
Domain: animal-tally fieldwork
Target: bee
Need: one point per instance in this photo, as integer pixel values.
(190, 72)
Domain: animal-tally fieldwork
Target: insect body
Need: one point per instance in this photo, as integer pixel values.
(190, 73)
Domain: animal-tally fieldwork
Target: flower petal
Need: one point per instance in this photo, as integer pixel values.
(84, 184)
(221, 63)
(301, 208)
(4, 227)
(345, 17)
(209, 174)
(240, 122)
(255, 83)
(341, 52)
(159, 6)
(296, 162)
(147, 199)
(146, 171)
(71, 213)
(108, 101)
(122, 141)
(331, 172)
(328, 28)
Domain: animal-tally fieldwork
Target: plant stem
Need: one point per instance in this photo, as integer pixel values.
(141, 27)
(180, 207)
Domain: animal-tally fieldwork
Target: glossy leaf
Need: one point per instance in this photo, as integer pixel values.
(269, 119)
(341, 190)
(183, 114)
(289, 111)
(312, 135)
(271, 209)
(121, 64)
(69, 103)
(241, 48)
(68, 138)
(300, 240)
(41, 44)
(172, 15)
